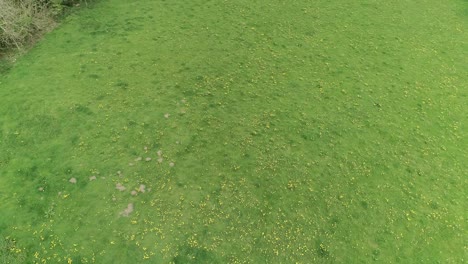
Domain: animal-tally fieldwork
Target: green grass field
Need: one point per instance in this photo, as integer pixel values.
(239, 131)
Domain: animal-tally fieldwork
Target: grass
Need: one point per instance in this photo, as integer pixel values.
(287, 131)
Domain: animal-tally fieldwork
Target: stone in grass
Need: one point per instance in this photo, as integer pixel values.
(127, 210)
(72, 180)
(120, 187)
(171, 164)
(160, 160)
(148, 159)
(92, 178)
(166, 115)
(41, 189)
(138, 159)
(142, 188)
(159, 153)
(133, 193)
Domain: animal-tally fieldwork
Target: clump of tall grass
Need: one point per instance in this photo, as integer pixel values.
(21, 21)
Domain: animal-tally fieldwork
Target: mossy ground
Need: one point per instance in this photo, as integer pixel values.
(289, 132)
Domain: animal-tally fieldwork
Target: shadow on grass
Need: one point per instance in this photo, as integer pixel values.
(190, 254)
